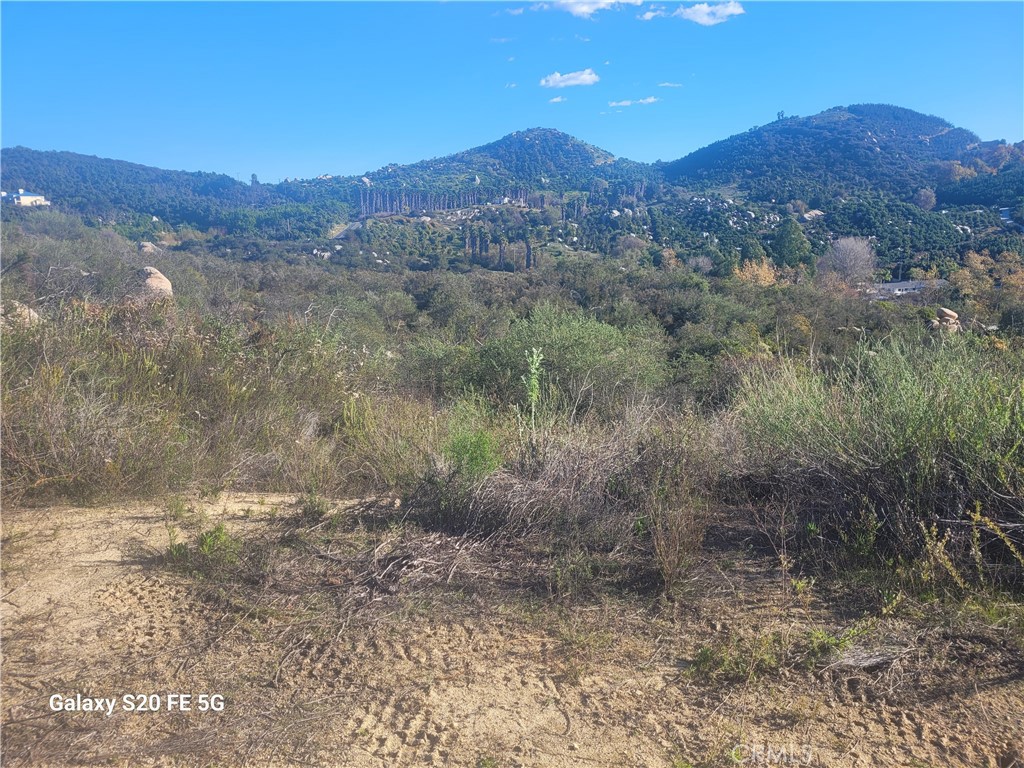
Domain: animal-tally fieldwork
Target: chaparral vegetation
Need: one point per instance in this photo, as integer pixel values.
(570, 393)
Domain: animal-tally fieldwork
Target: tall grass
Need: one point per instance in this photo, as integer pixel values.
(132, 402)
(899, 438)
(912, 447)
(640, 480)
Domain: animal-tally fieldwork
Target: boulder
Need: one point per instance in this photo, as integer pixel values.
(148, 248)
(947, 314)
(15, 314)
(154, 286)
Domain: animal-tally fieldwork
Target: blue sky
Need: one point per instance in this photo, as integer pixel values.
(300, 89)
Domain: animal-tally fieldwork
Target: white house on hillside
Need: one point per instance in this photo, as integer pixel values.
(26, 199)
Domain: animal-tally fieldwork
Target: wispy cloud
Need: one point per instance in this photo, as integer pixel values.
(584, 9)
(670, 85)
(631, 102)
(705, 14)
(558, 80)
(511, 85)
(557, 100)
(514, 11)
(501, 40)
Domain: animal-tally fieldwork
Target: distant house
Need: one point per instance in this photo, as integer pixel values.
(904, 287)
(348, 229)
(28, 199)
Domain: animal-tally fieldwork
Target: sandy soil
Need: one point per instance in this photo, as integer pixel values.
(91, 607)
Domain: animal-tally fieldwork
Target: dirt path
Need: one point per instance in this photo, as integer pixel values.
(90, 608)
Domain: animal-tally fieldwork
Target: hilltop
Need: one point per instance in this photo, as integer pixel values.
(843, 150)
(852, 170)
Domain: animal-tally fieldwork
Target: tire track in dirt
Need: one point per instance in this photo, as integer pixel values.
(455, 693)
(146, 616)
(521, 687)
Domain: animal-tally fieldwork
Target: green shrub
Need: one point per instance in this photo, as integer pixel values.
(214, 551)
(218, 546)
(312, 508)
(472, 453)
(586, 362)
(901, 437)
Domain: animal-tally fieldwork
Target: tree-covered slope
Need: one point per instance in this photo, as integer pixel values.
(869, 155)
(842, 150)
(539, 158)
(116, 191)
(524, 162)
(95, 185)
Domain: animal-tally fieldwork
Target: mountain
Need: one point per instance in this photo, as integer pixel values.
(840, 151)
(94, 186)
(523, 162)
(886, 153)
(513, 167)
(119, 192)
(539, 158)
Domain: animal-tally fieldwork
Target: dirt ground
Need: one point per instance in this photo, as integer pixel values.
(470, 659)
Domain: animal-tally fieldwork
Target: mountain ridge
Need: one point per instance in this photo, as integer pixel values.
(815, 162)
(538, 156)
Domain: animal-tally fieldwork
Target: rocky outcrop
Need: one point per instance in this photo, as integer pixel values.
(14, 314)
(946, 320)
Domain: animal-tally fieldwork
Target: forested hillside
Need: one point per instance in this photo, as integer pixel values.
(841, 151)
(923, 190)
(117, 192)
(514, 167)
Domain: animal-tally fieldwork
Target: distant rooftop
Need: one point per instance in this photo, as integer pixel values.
(905, 286)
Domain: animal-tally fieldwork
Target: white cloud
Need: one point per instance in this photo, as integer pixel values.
(631, 102)
(558, 80)
(511, 85)
(584, 9)
(557, 100)
(514, 11)
(670, 85)
(648, 15)
(708, 15)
